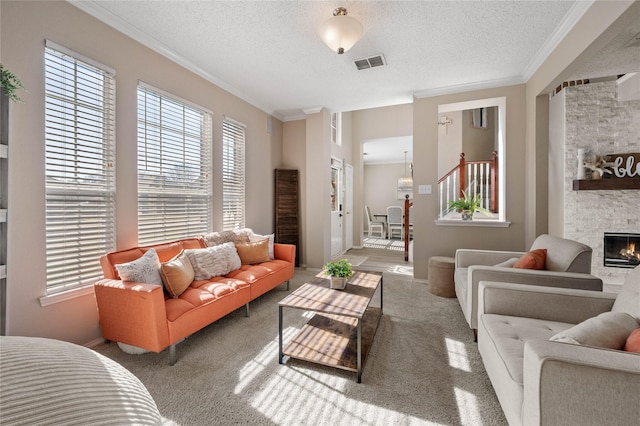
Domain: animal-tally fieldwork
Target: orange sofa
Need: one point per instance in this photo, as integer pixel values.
(143, 315)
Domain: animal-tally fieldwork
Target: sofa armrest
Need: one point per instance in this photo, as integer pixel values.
(573, 384)
(468, 257)
(132, 313)
(544, 278)
(285, 252)
(547, 303)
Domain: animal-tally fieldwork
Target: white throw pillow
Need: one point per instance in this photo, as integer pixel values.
(145, 269)
(213, 261)
(608, 330)
(132, 350)
(257, 237)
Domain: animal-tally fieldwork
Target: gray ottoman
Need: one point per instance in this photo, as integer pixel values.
(441, 270)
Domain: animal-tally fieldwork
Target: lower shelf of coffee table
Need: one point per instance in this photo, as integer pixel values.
(332, 340)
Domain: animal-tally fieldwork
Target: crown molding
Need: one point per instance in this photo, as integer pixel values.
(570, 20)
(97, 11)
(461, 88)
(294, 117)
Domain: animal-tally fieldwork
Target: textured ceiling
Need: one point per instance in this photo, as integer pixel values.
(269, 54)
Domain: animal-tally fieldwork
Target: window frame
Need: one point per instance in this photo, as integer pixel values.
(233, 174)
(174, 167)
(80, 218)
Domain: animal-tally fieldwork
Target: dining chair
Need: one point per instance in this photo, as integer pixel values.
(374, 227)
(394, 221)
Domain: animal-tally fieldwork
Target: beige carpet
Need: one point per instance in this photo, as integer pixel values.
(423, 369)
(353, 260)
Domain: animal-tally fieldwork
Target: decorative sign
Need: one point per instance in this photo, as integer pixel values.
(625, 165)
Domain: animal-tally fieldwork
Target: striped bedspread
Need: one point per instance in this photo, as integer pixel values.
(51, 382)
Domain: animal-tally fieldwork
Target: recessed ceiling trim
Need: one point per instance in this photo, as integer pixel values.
(105, 16)
(313, 110)
(573, 16)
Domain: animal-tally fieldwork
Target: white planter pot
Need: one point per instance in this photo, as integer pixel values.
(338, 283)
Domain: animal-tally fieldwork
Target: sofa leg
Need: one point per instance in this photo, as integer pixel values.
(172, 354)
(475, 335)
(287, 285)
(246, 310)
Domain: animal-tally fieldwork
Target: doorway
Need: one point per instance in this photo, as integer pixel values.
(336, 207)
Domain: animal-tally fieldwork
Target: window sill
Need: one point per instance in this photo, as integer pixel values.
(489, 223)
(63, 296)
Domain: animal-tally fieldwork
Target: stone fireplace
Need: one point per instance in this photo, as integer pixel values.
(592, 118)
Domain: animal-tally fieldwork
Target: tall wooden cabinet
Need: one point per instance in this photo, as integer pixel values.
(286, 209)
(4, 175)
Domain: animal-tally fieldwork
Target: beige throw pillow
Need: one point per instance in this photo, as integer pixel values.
(608, 330)
(270, 237)
(255, 252)
(177, 274)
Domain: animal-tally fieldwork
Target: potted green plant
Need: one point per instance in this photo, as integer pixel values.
(10, 83)
(339, 271)
(468, 205)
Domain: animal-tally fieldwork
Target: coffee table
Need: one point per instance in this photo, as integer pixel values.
(341, 331)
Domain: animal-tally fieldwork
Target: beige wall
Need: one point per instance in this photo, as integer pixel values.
(557, 68)
(478, 144)
(24, 28)
(432, 240)
(294, 147)
(449, 142)
(380, 187)
(375, 123)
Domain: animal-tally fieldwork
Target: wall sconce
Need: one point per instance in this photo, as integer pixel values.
(341, 32)
(444, 121)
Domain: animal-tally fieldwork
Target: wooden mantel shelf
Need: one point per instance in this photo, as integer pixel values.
(607, 184)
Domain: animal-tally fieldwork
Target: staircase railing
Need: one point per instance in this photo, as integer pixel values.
(474, 178)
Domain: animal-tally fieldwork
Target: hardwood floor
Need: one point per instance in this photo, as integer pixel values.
(382, 260)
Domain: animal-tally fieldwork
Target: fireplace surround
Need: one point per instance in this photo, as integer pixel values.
(621, 250)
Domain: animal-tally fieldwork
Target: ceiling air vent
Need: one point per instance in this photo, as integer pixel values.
(370, 62)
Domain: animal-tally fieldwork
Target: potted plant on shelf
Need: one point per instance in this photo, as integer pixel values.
(339, 271)
(10, 83)
(468, 205)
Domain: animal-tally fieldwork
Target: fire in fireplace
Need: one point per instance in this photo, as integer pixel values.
(621, 250)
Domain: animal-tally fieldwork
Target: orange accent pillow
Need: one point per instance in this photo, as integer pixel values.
(633, 341)
(177, 274)
(535, 259)
(253, 252)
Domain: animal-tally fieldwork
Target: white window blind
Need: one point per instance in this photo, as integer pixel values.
(79, 155)
(174, 164)
(233, 166)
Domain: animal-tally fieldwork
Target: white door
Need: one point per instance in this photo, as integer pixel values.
(336, 207)
(348, 207)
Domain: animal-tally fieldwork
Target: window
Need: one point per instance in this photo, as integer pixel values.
(233, 175)
(79, 154)
(336, 132)
(174, 168)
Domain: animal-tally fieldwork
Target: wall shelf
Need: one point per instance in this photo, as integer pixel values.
(606, 184)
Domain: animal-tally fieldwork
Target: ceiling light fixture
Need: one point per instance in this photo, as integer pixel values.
(406, 180)
(341, 32)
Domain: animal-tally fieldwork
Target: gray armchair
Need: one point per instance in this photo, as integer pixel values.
(568, 265)
(540, 379)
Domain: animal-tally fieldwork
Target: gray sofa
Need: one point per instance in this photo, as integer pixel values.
(539, 381)
(568, 265)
